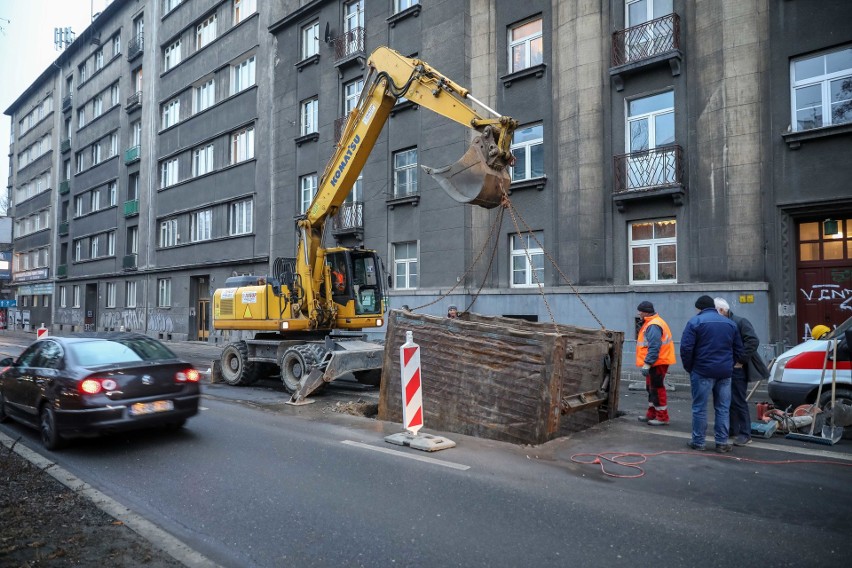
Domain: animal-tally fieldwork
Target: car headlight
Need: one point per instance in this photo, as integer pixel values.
(778, 369)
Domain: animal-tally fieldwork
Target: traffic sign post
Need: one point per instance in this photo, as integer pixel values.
(412, 403)
(41, 332)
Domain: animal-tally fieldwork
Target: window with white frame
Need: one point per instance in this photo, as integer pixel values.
(133, 187)
(113, 144)
(164, 292)
(242, 145)
(243, 9)
(822, 89)
(351, 94)
(171, 55)
(353, 16)
(75, 293)
(78, 250)
(116, 44)
(84, 71)
(528, 149)
(112, 192)
(205, 95)
(202, 160)
(310, 40)
(307, 191)
(526, 46)
(130, 294)
(111, 243)
(94, 246)
(357, 192)
(81, 117)
(650, 126)
(400, 5)
(78, 158)
(169, 173)
(96, 153)
(168, 233)
(201, 225)
(242, 75)
(137, 80)
(171, 113)
(78, 206)
(132, 244)
(114, 95)
(97, 106)
(653, 251)
(63, 297)
(95, 200)
(99, 59)
(169, 5)
(641, 11)
(405, 173)
(309, 117)
(205, 32)
(240, 217)
(405, 266)
(527, 260)
(136, 133)
(110, 294)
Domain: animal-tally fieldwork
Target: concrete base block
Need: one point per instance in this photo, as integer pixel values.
(424, 442)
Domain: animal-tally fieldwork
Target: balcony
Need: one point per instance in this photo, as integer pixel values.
(62, 271)
(64, 186)
(134, 102)
(63, 228)
(66, 102)
(132, 155)
(129, 262)
(349, 46)
(135, 47)
(649, 174)
(654, 42)
(349, 219)
(131, 208)
(65, 145)
(339, 124)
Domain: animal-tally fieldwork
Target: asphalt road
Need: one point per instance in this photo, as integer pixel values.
(251, 482)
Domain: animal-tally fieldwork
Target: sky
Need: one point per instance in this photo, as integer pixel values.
(26, 50)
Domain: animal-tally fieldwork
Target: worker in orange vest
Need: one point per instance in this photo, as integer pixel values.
(654, 353)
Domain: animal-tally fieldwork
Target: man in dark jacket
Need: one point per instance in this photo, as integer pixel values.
(749, 368)
(709, 347)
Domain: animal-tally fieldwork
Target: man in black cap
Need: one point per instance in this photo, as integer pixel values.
(709, 347)
(654, 353)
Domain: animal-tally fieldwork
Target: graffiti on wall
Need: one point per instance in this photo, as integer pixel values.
(160, 322)
(130, 320)
(829, 293)
(69, 316)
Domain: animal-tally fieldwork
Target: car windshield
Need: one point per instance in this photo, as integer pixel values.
(839, 330)
(105, 352)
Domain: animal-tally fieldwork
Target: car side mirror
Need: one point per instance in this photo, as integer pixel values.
(7, 362)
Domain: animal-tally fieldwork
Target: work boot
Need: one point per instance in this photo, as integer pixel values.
(742, 441)
(723, 448)
(696, 447)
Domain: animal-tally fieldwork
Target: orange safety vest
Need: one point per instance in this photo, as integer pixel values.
(667, 350)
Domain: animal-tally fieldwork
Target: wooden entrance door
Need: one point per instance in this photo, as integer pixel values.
(203, 319)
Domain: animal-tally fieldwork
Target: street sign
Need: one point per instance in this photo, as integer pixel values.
(8, 303)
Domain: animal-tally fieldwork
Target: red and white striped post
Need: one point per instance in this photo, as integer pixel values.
(41, 332)
(412, 393)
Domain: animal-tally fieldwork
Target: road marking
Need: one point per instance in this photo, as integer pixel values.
(754, 444)
(409, 456)
(135, 522)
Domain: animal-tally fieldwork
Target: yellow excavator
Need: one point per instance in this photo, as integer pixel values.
(303, 315)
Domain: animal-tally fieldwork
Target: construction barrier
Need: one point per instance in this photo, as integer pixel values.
(412, 394)
(41, 332)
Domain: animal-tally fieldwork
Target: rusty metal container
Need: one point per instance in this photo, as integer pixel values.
(505, 379)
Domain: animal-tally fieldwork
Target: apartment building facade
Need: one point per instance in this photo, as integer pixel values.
(659, 157)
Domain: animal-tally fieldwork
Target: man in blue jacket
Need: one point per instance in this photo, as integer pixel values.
(709, 347)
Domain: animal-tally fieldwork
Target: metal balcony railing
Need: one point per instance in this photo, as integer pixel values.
(129, 262)
(339, 123)
(135, 47)
(650, 169)
(66, 102)
(349, 44)
(134, 101)
(131, 208)
(64, 187)
(349, 217)
(646, 40)
(132, 154)
(63, 228)
(62, 271)
(65, 145)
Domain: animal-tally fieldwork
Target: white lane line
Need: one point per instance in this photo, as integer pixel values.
(409, 456)
(754, 444)
(143, 527)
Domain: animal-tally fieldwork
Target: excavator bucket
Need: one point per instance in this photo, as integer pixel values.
(471, 179)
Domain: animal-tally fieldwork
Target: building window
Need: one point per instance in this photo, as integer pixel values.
(310, 40)
(171, 113)
(240, 222)
(99, 60)
(528, 149)
(94, 244)
(527, 260)
(75, 292)
(111, 243)
(650, 125)
(132, 240)
(353, 16)
(63, 297)
(116, 44)
(78, 206)
(205, 95)
(205, 32)
(243, 9)
(653, 251)
(405, 173)
(94, 200)
(242, 75)
(137, 80)
(97, 106)
(164, 292)
(202, 160)
(136, 130)
(822, 89)
(169, 173)
(84, 71)
(201, 225)
(172, 56)
(405, 266)
(525, 45)
(168, 233)
(309, 117)
(112, 192)
(110, 294)
(96, 153)
(169, 5)
(133, 187)
(114, 95)
(113, 144)
(130, 294)
(351, 94)
(81, 118)
(400, 5)
(242, 145)
(307, 191)
(817, 245)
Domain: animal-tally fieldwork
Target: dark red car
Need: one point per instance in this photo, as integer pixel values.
(95, 383)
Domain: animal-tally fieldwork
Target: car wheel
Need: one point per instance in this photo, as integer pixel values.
(50, 437)
(3, 416)
(236, 369)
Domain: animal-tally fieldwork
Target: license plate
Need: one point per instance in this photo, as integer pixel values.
(142, 408)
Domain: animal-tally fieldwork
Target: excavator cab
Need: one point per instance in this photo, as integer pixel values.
(356, 277)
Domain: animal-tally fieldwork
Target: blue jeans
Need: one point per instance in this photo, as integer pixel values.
(701, 388)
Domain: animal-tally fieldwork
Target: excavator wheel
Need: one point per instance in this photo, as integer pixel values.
(236, 369)
(296, 363)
